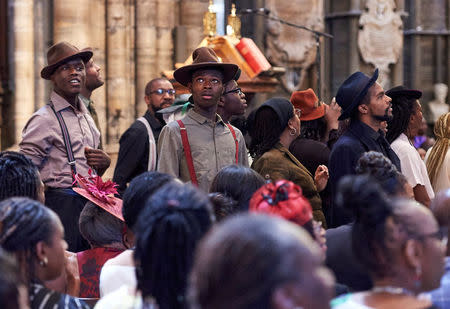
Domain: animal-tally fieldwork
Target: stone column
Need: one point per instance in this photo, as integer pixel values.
(146, 49)
(119, 68)
(71, 22)
(97, 41)
(191, 16)
(166, 22)
(23, 64)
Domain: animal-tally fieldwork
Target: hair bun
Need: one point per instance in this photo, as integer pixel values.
(366, 199)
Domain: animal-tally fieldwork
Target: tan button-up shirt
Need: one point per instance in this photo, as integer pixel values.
(212, 148)
(42, 141)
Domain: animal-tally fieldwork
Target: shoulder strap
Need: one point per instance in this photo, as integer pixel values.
(187, 152)
(66, 138)
(151, 145)
(235, 141)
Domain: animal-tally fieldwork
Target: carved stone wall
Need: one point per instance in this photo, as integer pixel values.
(292, 48)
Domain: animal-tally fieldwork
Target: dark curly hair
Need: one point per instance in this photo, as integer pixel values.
(402, 109)
(265, 131)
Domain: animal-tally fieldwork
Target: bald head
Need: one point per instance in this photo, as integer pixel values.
(440, 207)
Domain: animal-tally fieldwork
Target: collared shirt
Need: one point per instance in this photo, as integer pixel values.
(212, 147)
(133, 152)
(42, 141)
(412, 164)
(441, 296)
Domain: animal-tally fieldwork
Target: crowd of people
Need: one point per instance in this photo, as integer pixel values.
(302, 205)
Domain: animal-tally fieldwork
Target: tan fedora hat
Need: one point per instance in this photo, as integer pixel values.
(205, 58)
(61, 53)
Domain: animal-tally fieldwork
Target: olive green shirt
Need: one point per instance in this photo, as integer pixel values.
(212, 147)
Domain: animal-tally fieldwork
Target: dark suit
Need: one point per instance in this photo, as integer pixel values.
(358, 138)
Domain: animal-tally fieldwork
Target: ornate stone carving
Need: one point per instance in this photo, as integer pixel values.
(292, 48)
(380, 40)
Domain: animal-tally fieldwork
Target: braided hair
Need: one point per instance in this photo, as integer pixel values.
(9, 281)
(24, 223)
(402, 109)
(440, 148)
(18, 176)
(168, 230)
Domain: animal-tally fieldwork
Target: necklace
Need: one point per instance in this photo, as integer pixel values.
(392, 290)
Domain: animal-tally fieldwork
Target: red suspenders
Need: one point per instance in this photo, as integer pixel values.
(188, 154)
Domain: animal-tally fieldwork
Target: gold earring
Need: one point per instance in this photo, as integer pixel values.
(43, 262)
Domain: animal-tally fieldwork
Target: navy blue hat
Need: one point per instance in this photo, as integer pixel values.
(282, 107)
(352, 91)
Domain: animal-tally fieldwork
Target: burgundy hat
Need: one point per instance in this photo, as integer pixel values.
(309, 103)
(61, 53)
(205, 58)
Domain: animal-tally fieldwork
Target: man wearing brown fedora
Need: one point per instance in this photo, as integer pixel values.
(196, 147)
(62, 139)
(364, 101)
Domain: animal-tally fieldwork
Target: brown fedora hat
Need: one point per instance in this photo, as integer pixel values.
(205, 58)
(61, 53)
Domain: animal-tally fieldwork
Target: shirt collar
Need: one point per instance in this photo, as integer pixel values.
(366, 130)
(153, 121)
(84, 100)
(202, 119)
(60, 103)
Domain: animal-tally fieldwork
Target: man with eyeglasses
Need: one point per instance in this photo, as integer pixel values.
(197, 146)
(137, 152)
(232, 102)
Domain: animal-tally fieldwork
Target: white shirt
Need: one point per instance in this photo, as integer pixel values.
(116, 272)
(412, 165)
(442, 181)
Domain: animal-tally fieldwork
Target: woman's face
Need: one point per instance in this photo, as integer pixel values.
(55, 250)
(434, 248)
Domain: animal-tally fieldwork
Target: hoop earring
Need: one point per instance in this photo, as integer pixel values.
(293, 131)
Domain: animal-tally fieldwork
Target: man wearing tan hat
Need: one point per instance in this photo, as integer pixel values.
(196, 147)
(62, 139)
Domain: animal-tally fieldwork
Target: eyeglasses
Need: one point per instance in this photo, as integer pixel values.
(441, 235)
(237, 90)
(298, 112)
(161, 91)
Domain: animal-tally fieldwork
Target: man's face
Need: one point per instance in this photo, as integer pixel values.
(234, 102)
(93, 77)
(416, 118)
(68, 78)
(380, 104)
(206, 88)
(155, 99)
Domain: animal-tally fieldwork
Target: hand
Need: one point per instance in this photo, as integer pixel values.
(97, 159)
(72, 274)
(321, 177)
(332, 114)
